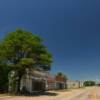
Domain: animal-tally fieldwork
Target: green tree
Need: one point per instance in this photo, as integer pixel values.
(89, 83)
(21, 49)
(60, 74)
(4, 70)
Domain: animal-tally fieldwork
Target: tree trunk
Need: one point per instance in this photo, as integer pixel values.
(18, 85)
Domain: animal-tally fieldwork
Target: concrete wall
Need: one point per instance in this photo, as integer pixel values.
(27, 83)
(59, 85)
(72, 84)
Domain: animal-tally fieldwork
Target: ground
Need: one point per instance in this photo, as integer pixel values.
(91, 93)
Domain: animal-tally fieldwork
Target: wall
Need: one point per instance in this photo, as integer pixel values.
(72, 84)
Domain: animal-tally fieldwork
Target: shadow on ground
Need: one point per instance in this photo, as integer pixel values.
(39, 94)
(49, 94)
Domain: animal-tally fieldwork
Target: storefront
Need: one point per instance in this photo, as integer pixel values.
(60, 82)
(34, 82)
(60, 85)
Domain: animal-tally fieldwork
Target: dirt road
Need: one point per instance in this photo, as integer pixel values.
(92, 93)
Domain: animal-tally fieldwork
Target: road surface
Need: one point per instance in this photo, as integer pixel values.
(92, 93)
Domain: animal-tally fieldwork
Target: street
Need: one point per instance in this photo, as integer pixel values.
(92, 93)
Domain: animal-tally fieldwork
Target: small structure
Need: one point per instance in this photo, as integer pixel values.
(72, 84)
(34, 81)
(60, 82)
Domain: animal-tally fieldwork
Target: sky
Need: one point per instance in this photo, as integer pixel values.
(70, 29)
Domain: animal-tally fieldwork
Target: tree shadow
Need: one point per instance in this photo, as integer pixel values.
(49, 94)
(46, 93)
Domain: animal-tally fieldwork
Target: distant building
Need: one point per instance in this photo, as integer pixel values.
(70, 84)
(60, 82)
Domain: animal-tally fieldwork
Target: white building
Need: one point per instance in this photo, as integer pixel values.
(70, 84)
(32, 81)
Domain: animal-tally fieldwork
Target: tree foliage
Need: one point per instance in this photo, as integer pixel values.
(22, 44)
(60, 74)
(89, 83)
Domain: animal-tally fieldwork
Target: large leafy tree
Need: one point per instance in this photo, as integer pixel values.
(21, 49)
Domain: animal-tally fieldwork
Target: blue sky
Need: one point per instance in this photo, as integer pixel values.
(70, 28)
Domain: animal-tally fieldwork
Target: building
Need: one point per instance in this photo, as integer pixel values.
(32, 81)
(73, 84)
(50, 82)
(60, 82)
(38, 80)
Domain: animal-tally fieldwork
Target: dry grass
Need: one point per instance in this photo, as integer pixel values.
(3, 94)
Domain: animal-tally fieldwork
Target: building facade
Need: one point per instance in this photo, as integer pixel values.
(74, 84)
(36, 81)
(39, 80)
(60, 82)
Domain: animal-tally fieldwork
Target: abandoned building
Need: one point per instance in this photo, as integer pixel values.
(32, 81)
(60, 82)
(74, 84)
(39, 80)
